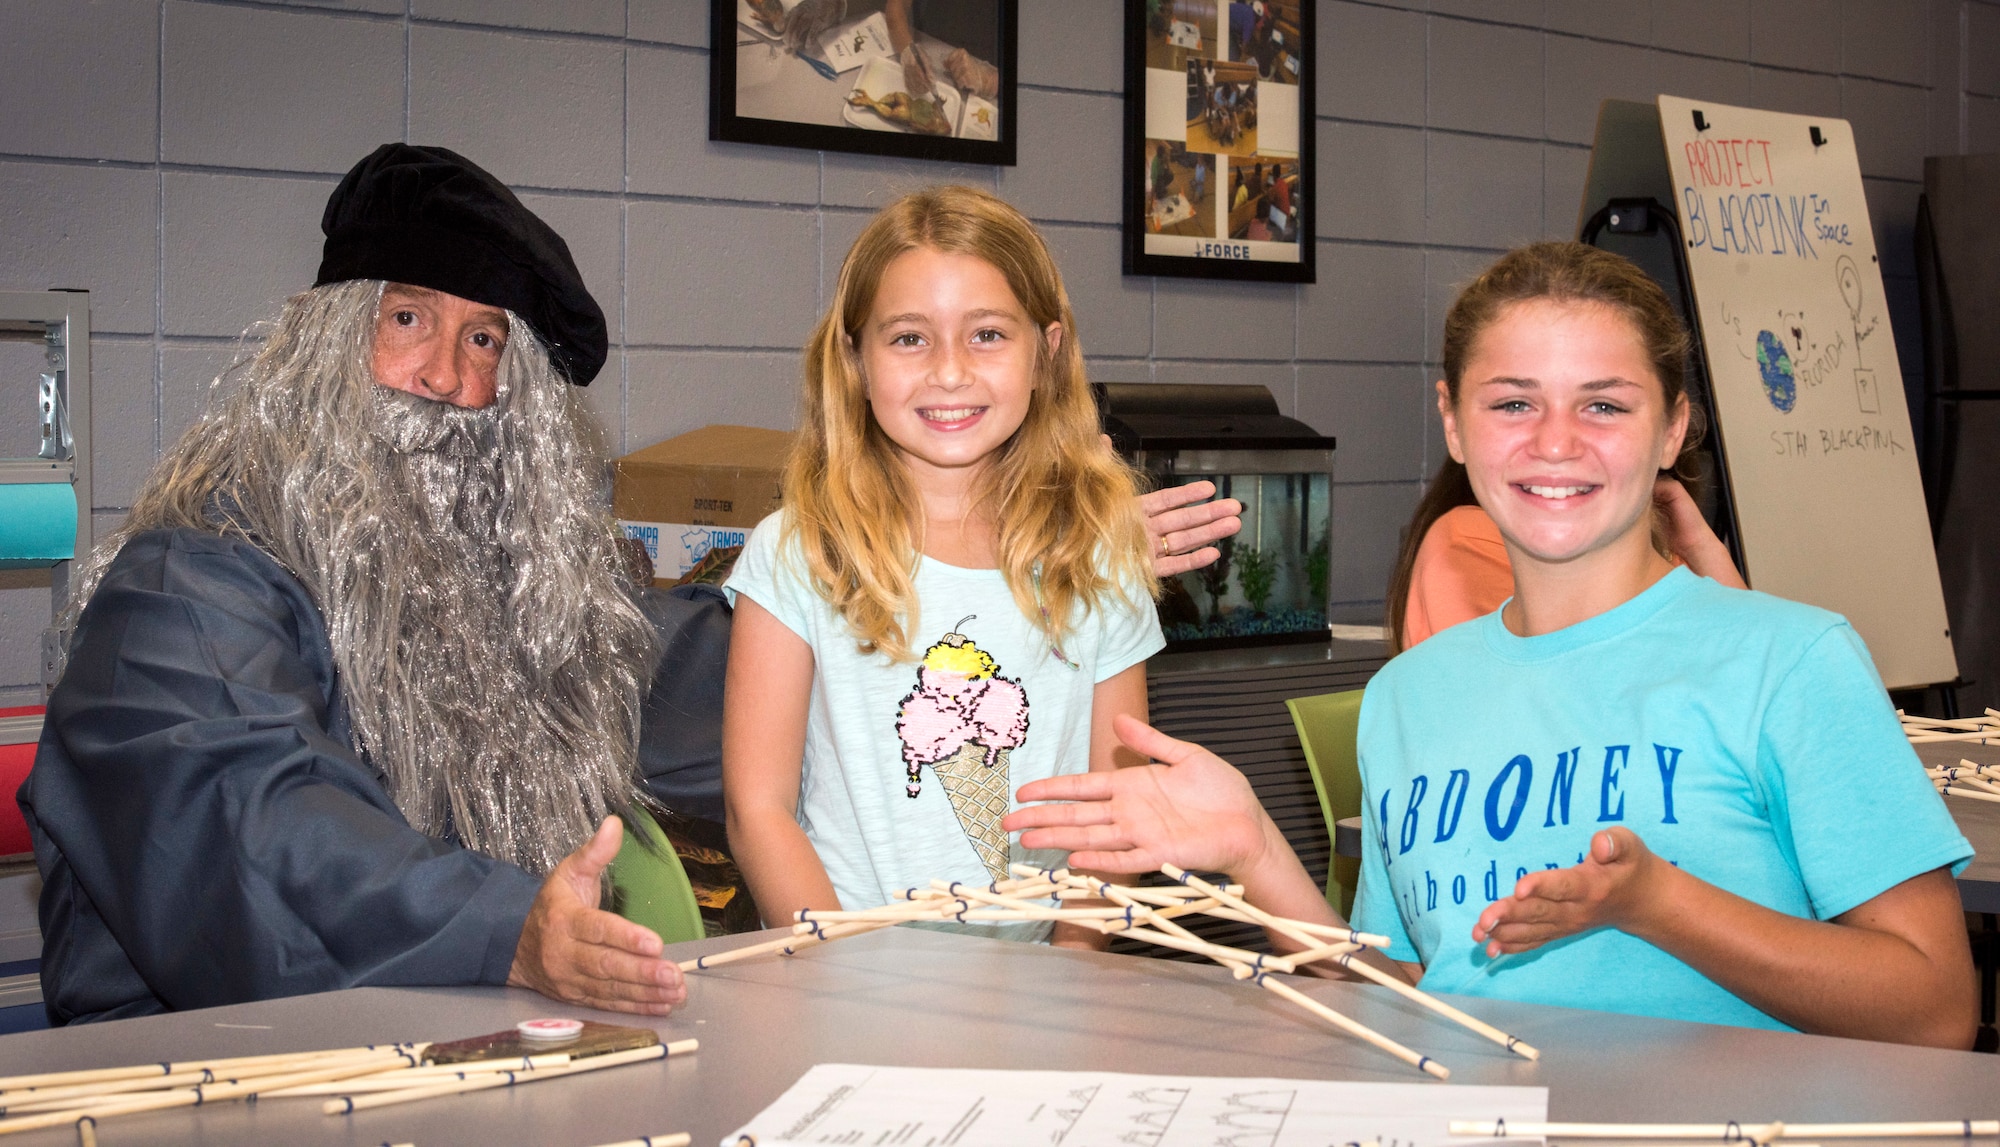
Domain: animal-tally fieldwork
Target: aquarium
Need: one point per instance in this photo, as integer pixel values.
(1271, 584)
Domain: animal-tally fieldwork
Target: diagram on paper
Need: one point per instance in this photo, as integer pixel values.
(958, 1107)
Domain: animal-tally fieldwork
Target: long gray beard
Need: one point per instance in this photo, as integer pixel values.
(491, 656)
(453, 690)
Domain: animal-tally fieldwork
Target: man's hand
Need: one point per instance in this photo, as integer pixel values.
(1181, 525)
(1609, 889)
(1195, 811)
(807, 23)
(570, 950)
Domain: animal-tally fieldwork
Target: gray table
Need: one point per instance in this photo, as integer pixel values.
(924, 998)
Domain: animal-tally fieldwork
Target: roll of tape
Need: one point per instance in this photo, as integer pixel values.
(37, 523)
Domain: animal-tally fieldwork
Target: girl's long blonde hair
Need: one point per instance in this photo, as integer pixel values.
(1070, 534)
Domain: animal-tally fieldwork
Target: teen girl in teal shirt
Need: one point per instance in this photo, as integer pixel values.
(1629, 789)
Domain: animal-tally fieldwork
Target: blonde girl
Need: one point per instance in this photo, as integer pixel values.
(955, 598)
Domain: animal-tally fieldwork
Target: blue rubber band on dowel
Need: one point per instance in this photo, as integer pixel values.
(1421, 1061)
(1499, 1128)
(1732, 1132)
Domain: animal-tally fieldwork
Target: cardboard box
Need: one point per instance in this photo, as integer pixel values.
(697, 492)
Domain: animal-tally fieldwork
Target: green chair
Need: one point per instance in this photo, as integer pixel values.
(1327, 725)
(651, 886)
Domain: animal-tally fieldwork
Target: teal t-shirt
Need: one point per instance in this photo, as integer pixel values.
(1745, 738)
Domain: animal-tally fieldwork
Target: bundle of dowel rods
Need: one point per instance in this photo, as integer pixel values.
(1967, 779)
(1144, 914)
(1983, 729)
(345, 1079)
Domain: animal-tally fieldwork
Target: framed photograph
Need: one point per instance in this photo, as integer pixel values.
(928, 79)
(1219, 139)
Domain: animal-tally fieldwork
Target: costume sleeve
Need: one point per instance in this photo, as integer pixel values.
(1848, 797)
(770, 574)
(680, 731)
(231, 846)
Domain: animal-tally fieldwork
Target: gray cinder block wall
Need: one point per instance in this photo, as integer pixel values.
(172, 156)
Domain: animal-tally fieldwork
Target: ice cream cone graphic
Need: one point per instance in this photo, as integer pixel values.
(963, 719)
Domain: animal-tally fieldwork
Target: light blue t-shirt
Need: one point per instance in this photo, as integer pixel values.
(1743, 737)
(988, 707)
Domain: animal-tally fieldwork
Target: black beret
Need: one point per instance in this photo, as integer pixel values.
(432, 218)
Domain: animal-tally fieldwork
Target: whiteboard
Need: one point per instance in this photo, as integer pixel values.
(1814, 426)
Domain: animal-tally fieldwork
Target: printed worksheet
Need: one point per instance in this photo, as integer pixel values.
(848, 1103)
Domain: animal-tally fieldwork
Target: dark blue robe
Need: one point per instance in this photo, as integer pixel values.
(206, 832)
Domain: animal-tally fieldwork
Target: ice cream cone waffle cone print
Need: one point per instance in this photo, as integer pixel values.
(963, 719)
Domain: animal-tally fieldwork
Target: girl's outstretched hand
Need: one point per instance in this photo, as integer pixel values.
(1610, 889)
(1194, 810)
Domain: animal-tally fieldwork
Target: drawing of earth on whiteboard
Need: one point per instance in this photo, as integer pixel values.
(1776, 368)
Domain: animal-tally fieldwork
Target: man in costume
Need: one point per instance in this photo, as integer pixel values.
(361, 675)
(355, 689)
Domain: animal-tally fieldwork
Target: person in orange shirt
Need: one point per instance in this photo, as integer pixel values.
(1453, 566)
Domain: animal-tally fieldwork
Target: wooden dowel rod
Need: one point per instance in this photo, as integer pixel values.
(1973, 783)
(64, 1098)
(983, 896)
(1276, 923)
(1249, 962)
(1324, 932)
(678, 1139)
(1951, 789)
(1422, 1063)
(189, 1097)
(1360, 1031)
(916, 910)
(1982, 737)
(416, 1076)
(1299, 935)
(1159, 897)
(1934, 722)
(1324, 952)
(787, 945)
(499, 1079)
(1723, 1132)
(217, 1066)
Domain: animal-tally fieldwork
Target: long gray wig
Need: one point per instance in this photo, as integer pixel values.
(491, 656)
